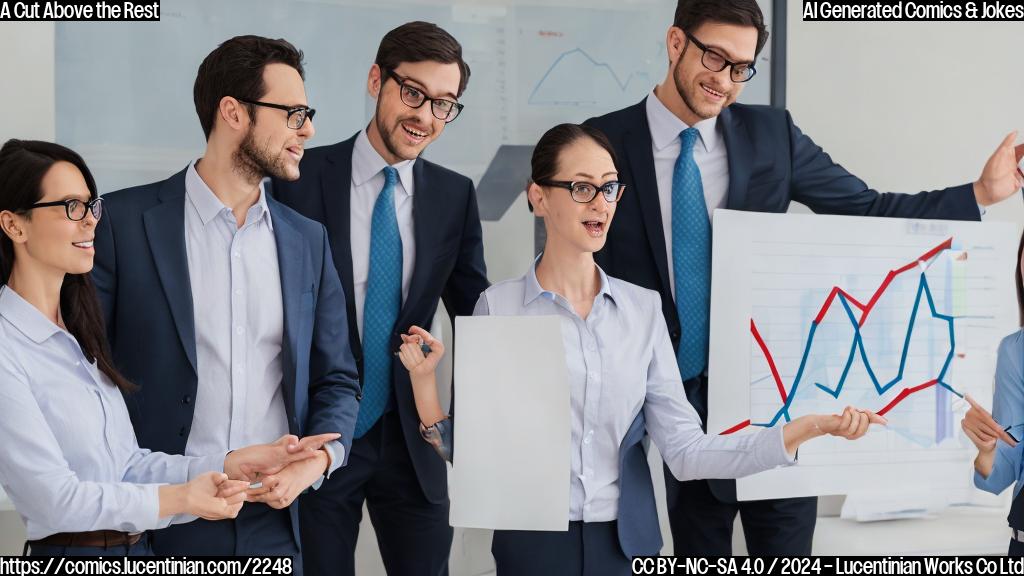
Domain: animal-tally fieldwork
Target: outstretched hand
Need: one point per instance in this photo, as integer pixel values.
(266, 459)
(1000, 177)
(851, 424)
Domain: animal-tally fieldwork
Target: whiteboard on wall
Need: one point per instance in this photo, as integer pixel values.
(124, 92)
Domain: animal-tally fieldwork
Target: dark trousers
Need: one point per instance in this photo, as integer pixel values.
(413, 533)
(587, 548)
(140, 548)
(259, 530)
(1016, 548)
(702, 523)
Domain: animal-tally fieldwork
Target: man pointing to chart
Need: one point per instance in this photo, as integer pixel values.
(686, 150)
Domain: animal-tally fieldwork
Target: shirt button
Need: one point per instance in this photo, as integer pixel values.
(593, 375)
(237, 255)
(586, 439)
(238, 292)
(239, 330)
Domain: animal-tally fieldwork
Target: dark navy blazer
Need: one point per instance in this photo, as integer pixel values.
(449, 266)
(142, 279)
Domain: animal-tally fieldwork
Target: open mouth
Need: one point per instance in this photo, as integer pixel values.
(594, 228)
(296, 152)
(713, 94)
(83, 245)
(414, 134)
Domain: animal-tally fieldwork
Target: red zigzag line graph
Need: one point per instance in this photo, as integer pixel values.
(865, 312)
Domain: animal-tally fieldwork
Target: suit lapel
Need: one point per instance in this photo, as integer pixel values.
(739, 152)
(427, 221)
(640, 158)
(165, 230)
(295, 280)
(337, 195)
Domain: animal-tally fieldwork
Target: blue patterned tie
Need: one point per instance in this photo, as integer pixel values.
(383, 300)
(691, 258)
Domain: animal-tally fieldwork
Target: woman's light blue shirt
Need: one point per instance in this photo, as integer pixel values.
(1008, 410)
(70, 461)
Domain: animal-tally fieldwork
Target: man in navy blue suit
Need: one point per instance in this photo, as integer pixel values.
(224, 306)
(686, 150)
(406, 234)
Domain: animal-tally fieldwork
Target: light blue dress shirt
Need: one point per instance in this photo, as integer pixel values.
(620, 361)
(70, 461)
(239, 324)
(1008, 410)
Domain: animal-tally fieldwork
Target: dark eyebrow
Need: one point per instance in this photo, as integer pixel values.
(422, 87)
(585, 175)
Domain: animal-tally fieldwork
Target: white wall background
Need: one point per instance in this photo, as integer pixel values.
(905, 106)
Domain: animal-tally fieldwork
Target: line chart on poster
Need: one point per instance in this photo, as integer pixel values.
(846, 300)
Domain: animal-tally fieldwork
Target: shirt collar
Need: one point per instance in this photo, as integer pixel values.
(25, 317)
(367, 163)
(208, 206)
(666, 126)
(534, 290)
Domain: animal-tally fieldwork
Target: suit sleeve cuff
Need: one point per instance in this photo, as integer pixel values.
(336, 452)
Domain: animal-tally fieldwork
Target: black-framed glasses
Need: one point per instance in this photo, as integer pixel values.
(413, 97)
(739, 72)
(297, 115)
(75, 208)
(585, 192)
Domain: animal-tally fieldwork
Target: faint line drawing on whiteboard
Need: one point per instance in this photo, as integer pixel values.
(577, 62)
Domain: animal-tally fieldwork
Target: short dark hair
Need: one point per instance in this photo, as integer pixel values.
(23, 165)
(422, 42)
(544, 162)
(235, 68)
(690, 14)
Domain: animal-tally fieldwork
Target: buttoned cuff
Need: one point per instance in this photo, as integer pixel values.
(775, 444)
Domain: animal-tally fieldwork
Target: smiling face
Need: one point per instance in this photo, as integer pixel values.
(269, 147)
(583, 227)
(703, 92)
(45, 236)
(397, 131)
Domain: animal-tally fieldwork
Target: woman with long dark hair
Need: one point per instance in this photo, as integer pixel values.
(624, 380)
(70, 462)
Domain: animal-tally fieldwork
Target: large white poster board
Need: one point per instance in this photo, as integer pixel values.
(511, 453)
(813, 313)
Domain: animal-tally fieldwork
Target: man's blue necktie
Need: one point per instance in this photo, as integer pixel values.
(383, 301)
(691, 258)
